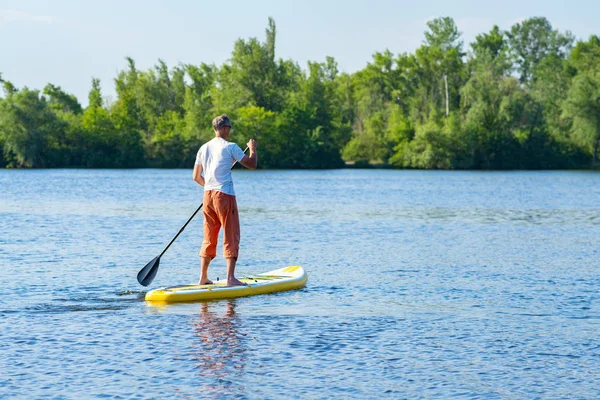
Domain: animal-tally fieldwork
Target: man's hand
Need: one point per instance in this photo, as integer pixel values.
(252, 145)
(251, 160)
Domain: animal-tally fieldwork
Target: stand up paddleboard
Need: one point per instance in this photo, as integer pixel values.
(279, 280)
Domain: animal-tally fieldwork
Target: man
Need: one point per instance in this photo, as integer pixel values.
(213, 171)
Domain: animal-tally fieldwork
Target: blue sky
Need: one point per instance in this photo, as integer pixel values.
(67, 42)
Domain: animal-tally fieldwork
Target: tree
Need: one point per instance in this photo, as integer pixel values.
(580, 107)
(524, 98)
(381, 91)
(440, 69)
(492, 43)
(493, 105)
(309, 123)
(583, 107)
(199, 102)
(168, 146)
(253, 76)
(586, 54)
(28, 128)
(254, 122)
(127, 117)
(95, 95)
(8, 87)
(59, 100)
(532, 40)
(97, 146)
(551, 87)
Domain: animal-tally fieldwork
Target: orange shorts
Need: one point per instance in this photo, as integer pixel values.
(220, 210)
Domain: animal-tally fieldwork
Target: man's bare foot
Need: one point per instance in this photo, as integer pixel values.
(235, 282)
(205, 282)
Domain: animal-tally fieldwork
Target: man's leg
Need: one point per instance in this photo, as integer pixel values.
(204, 263)
(231, 279)
(211, 234)
(231, 235)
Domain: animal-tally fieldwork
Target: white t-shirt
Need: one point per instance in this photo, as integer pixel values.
(217, 157)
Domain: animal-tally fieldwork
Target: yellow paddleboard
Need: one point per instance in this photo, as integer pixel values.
(279, 280)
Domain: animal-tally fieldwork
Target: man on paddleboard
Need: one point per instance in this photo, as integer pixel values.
(213, 171)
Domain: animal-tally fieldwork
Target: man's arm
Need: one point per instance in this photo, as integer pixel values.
(197, 175)
(250, 161)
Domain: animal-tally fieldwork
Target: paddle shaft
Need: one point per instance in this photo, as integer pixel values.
(189, 220)
(181, 230)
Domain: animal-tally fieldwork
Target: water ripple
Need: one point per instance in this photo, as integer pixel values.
(423, 285)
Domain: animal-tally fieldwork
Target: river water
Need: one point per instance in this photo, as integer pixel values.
(422, 284)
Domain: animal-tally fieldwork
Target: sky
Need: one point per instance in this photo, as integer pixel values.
(67, 42)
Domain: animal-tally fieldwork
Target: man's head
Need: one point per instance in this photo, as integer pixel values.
(222, 125)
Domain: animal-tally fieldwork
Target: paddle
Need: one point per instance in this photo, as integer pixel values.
(147, 274)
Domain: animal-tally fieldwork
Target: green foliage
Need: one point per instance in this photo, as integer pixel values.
(436, 108)
(533, 40)
(586, 55)
(254, 76)
(59, 100)
(198, 104)
(168, 146)
(583, 107)
(30, 131)
(96, 145)
(493, 43)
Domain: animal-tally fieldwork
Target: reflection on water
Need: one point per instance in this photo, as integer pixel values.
(219, 351)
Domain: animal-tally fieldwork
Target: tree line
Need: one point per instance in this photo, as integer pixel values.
(525, 98)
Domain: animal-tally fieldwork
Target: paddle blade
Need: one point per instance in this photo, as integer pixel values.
(147, 274)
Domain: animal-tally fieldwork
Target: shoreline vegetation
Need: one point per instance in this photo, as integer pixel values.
(525, 98)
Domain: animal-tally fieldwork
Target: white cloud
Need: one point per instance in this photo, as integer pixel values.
(12, 16)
